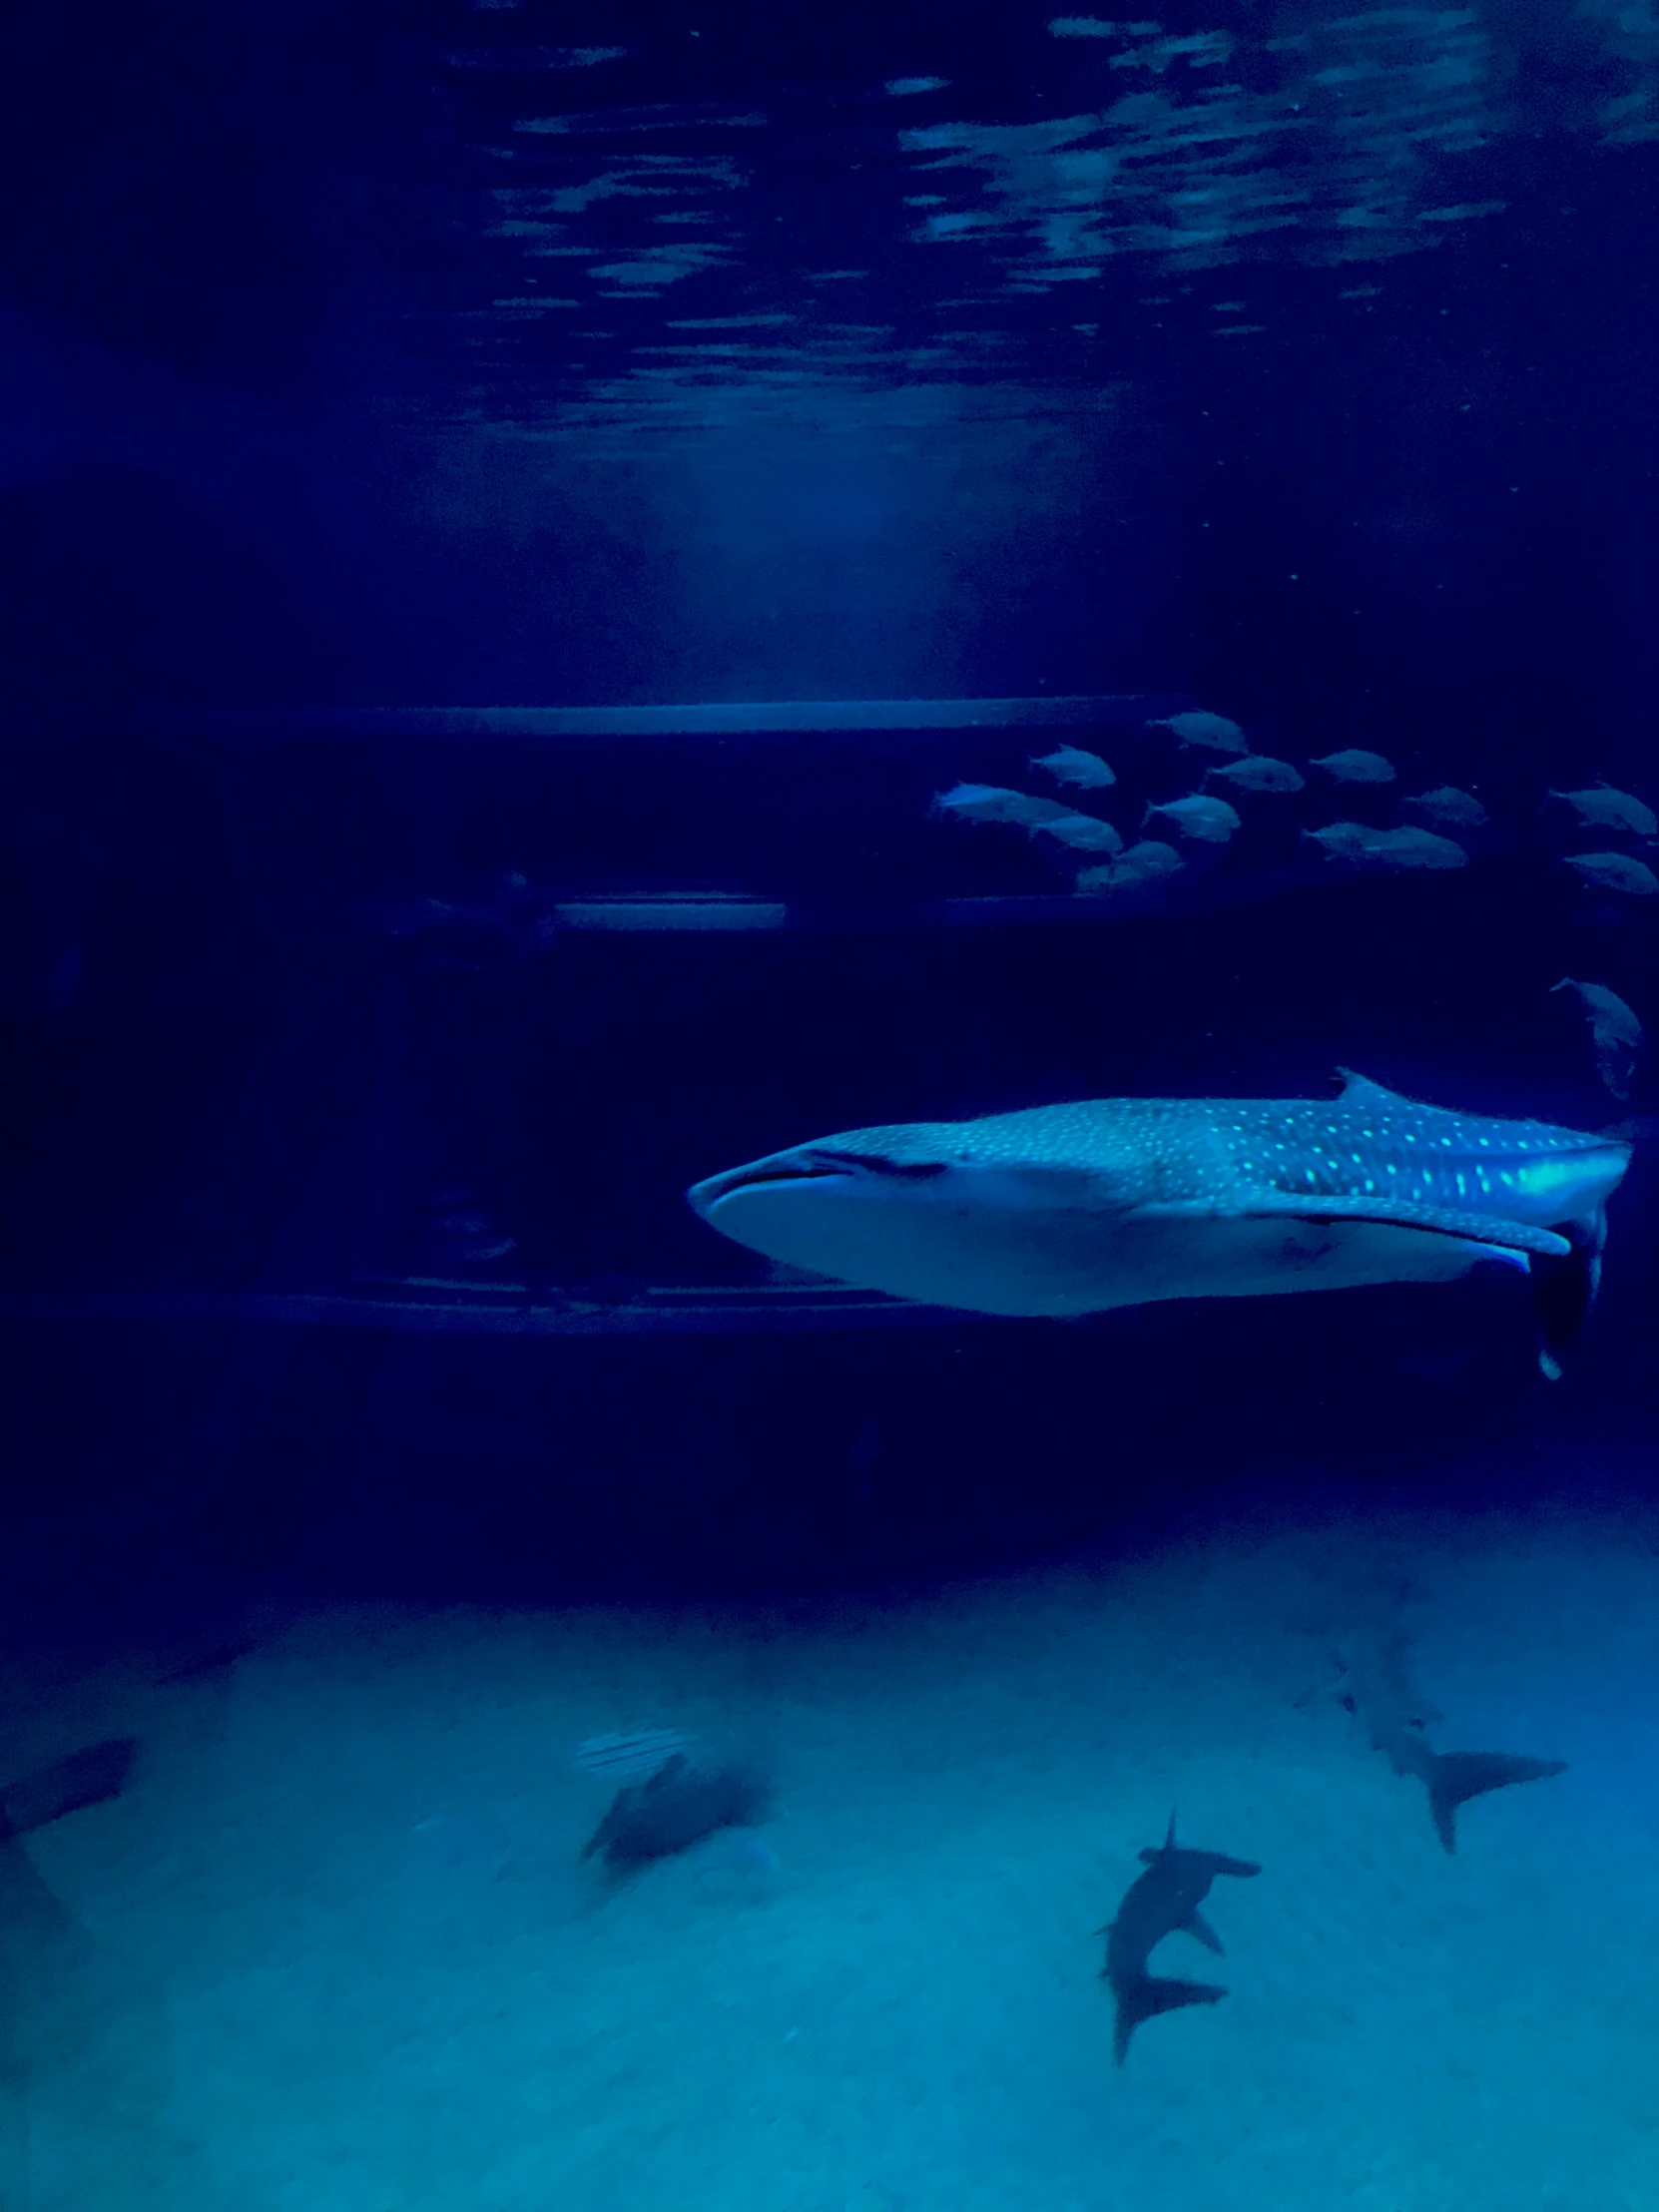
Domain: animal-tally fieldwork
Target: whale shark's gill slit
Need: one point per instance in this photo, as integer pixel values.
(904, 1171)
(760, 1181)
(828, 1167)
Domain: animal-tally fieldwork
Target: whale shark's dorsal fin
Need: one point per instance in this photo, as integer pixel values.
(1360, 1090)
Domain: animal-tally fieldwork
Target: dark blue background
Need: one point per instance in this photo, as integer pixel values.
(237, 470)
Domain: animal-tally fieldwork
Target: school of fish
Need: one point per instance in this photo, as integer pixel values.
(1180, 841)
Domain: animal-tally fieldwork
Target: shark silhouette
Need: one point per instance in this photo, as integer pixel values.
(1162, 1902)
(1073, 1209)
(85, 1778)
(1377, 1688)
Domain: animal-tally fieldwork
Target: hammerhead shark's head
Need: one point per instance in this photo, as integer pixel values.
(1162, 1902)
(1067, 1210)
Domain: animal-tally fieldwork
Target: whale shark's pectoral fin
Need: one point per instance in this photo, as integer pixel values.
(1508, 1238)
(1195, 1925)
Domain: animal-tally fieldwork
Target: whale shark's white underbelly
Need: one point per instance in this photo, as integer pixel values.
(1064, 1262)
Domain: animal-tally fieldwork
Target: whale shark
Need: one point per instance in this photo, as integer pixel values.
(1075, 1208)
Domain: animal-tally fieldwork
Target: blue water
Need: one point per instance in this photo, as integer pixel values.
(514, 523)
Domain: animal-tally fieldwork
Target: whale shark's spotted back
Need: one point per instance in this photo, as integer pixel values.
(1367, 1143)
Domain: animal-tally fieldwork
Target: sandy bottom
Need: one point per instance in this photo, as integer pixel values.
(335, 1951)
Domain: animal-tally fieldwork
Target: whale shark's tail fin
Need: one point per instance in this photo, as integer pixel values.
(1453, 1777)
(1146, 1996)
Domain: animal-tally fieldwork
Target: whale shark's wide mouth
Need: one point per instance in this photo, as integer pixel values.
(791, 1170)
(775, 1174)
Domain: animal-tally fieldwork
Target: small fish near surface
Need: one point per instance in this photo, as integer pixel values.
(1211, 733)
(1162, 1902)
(1353, 765)
(1603, 807)
(1615, 871)
(1616, 1032)
(1447, 808)
(676, 1806)
(1257, 772)
(1080, 1208)
(1378, 1690)
(1208, 821)
(1069, 764)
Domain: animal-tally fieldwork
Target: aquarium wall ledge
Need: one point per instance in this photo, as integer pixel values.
(429, 1307)
(742, 718)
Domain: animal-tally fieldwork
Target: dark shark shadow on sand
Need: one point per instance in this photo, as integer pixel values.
(83, 2040)
(1375, 1685)
(1162, 1902)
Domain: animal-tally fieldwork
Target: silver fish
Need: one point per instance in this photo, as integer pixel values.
(1140, 864)
(1257, 772)
(1408, 848)
(975, 802)
(1209, 821)
(1451, 808)
(1074, 1208)
(1082, 833)
(1356, 766)
(1214, 731)
(1069, 764)
(1616, 871)
(1603, 807)
(1345, 840)
(990, 802)
(1616, 1032)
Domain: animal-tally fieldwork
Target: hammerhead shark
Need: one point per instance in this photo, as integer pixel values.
(1074, 1208)
(1377, 1688)
(1162, 1902)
